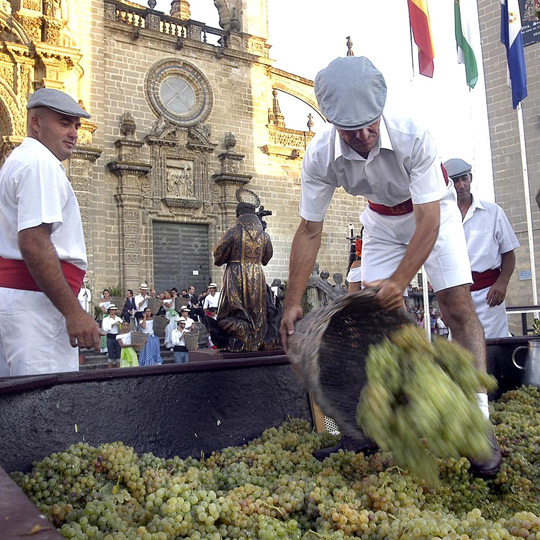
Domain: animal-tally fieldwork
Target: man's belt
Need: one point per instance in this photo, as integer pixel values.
(14, 274)
(481, 280)
(400, 209)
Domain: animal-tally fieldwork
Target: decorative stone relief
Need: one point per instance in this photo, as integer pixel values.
(180, 182)
(5, 6)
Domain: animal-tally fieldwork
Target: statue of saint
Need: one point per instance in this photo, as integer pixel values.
(242, 312)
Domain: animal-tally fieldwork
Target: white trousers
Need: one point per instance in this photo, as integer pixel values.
(493, 318)
(33, 336)
(386, 238)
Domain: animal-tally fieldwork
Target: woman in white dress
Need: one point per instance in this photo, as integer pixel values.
(104, 306)
(172, 317)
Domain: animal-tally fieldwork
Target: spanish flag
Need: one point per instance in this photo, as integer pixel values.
(419, 17)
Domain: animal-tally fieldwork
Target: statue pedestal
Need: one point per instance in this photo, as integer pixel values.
(204, 355)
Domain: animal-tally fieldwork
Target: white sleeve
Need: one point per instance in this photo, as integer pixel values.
(505, 234)
(428, 182)
(316, 193)
(40, 196)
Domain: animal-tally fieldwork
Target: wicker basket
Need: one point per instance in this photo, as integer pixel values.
(138, 340)
(192, 340)
(329, 348)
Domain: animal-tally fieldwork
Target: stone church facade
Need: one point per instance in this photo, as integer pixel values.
(182, 116)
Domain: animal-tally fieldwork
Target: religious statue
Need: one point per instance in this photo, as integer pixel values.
(242, 312)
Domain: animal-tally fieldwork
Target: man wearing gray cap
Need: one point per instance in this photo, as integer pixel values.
(491, 242)
(42, 251)
(411, 218)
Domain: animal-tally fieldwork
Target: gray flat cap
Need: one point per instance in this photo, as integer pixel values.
(351, 92)
(457, 167)
(56, 100)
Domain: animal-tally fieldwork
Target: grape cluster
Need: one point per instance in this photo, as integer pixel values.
(420, 401)
(273, 488)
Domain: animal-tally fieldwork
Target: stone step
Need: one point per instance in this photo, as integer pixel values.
(100, 361)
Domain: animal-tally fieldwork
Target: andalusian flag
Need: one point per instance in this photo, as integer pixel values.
(419, 17)
(513, 41)
(463, 21)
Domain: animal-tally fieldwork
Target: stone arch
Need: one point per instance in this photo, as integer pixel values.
(16, 32)
(11, 117)
(295, 86)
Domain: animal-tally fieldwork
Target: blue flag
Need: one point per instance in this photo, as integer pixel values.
(513, 41)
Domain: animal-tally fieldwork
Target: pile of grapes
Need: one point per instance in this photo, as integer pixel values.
(273, 488)
(420, 401)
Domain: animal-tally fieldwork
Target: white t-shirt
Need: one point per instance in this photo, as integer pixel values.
(403, 165)
(489, 235)
(34, 189)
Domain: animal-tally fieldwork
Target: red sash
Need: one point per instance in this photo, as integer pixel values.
(14, 274)
(400, 209)
(481, 280)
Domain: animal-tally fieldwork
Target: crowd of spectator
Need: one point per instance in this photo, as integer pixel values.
(138, 315)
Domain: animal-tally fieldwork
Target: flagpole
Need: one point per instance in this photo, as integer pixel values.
(425, 298)
(527, 202)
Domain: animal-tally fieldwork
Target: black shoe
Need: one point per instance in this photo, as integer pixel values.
(348, 444)
(489, 467)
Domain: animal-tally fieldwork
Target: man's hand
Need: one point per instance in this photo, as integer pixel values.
(290, 316)
(390, 295)
(496, 294)
(83, 331)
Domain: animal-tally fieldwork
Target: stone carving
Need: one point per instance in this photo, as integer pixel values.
(5, 6)
(31, 25)
(131, 229)
(131, 243)
(32, 5)
(180, 181)
(54, 9)
(145, 188)
(128, 127)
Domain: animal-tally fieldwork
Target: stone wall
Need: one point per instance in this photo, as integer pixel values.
(505, 146)
(133, 162)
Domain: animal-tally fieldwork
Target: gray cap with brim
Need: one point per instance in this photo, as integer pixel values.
(457, 167)
(351, 92)
(56, 100)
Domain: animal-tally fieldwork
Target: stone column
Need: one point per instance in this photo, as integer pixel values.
(131, 172)
(80, 172)
(229, 180)
(181, 9)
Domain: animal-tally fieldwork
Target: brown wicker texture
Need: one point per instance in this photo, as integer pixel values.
(329, 348)
(192, 340)
(154, 304)
(160, 323)
(119, 303)
(138, 340)
(180, 303)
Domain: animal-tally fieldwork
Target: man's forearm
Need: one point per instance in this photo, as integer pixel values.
(421, 244)
(508, 263)
(42, 260)
(304, 249)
